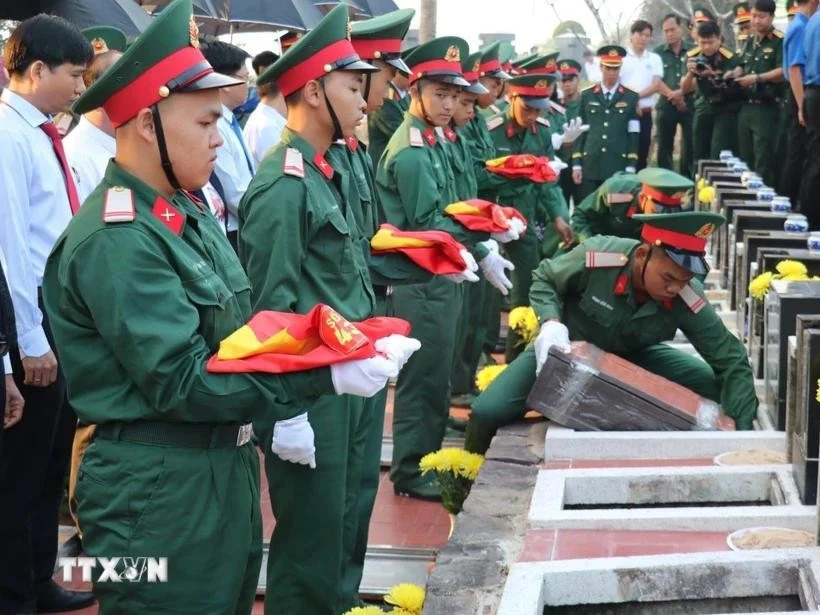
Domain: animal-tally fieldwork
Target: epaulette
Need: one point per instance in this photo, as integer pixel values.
(118, 205)
(726, 53)
(495, 108)
(590, 87)
(494, 122)
(416, 140)
(294, 164)
(601, 260)
(543, 121)
(617, 198)
(694, 51)
(391, 94)
(692, 299)
(559, 108)
(628, 89)
(777, 33)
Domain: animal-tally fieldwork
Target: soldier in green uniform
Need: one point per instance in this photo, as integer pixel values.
(382, 122)
(522, 130)
(673, 108)
(106, 38)
(570, 72)
(611, 111)
(743, 25)
(759, 122)
(492, 76)
(714, 125)
(414, 183)
(627, 296)
(313, 461)
(140, 290)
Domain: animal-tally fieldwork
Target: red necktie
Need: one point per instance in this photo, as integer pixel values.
(51, 130)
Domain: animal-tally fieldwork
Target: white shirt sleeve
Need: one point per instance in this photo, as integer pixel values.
(657, 65)
(4, 268)
(14, 239)
(234, 180)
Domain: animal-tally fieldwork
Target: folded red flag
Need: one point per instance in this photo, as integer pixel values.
(480, 215)
(524, 166)
(434, 251)
(281, 342)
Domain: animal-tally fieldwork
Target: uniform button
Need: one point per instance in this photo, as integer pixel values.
(603, 149)
(606, 124)
(607, 111)
(603, 136)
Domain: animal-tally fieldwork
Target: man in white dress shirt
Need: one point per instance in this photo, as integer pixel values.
(234, 162)
(91, 144)
(45, 57)
(265, 125)
(642, 71)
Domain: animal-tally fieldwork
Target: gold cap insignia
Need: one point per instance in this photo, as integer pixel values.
(704, 231)
(477, 65)
(564, 66)
(613, 53)
(541, 85)
(193, 33)
(453, 54)
(550, 65)
(99, 45)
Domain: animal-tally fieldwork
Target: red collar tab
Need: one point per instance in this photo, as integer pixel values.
(672, 200)
(620, 89)
(352, 143)
(667, 304)
(323, 165)
(682, 241)
(320, 63)
(450, 134)
(430, 136)
(169, 215)
(510, 132)
(621, 284)
(196, 201)
(597, 89)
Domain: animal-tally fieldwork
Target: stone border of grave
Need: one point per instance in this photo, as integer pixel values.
(471, 570)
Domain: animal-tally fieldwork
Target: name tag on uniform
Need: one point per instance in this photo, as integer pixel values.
(602, 303)
(592, 103)
(620, 104)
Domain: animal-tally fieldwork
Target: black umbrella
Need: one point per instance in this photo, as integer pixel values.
(222, 16)
(126, 15)
(377, 7)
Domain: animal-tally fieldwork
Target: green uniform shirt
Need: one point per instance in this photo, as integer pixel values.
(482, 149)
(761, 56)
(529, 198)
(573, 107)
(611, 143)
(137, 308)
(606, 211)
(299, 240)
(586, 301)
(382, 123)
(709, 96)
(414, 182)
(674, 69)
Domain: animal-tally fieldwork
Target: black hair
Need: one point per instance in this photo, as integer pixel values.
(766, 6)
(708, 29)
(99, 65)
(263, 60)
(226, 59)
(268, 90)
(640, 25)
(671, 16)
(48, 39)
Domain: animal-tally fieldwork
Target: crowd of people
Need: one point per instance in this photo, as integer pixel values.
(149, 223)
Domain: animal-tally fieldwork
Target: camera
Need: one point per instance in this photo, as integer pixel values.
(701, 63)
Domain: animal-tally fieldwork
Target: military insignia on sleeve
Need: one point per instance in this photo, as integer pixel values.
(416, 140)
(692, 299)
(453, 54)
(294, 164)
(118, 205)
(494, 122)
(193, 33)
(705, 231)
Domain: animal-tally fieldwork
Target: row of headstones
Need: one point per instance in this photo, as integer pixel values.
(782, 330)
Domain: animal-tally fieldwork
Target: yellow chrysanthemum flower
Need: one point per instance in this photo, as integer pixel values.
(818, 389)
(759, 287)
(365, 610)
(790, 270)
(706, 194)
(484, 378)
(407, 597)
(457, 461)
(524, 321)
(701, 184)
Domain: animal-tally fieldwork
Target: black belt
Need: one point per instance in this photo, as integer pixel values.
(188, 435)
(382, 292)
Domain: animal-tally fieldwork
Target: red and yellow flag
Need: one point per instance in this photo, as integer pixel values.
(434, 251)
(480, 215)
(281, 342)
(523, 166)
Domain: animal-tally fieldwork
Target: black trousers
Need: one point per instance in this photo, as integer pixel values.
(810, 186)
(2, 405)
(33, 464)
(791, 175)
(645, 138)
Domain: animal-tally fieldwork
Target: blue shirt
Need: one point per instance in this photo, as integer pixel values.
(793, 52)
(811, 49)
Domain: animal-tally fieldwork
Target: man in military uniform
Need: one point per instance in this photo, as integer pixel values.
(522, 130)
(627, 296)
(569, 71)
(743, 25)
(611, 111)
(492, 76)
(759, 121)
(673, 108)
(714, 125)
(140, 290)
(382, 122)
(610, 210)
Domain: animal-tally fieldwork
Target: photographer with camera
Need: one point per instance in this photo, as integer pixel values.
(707, 66)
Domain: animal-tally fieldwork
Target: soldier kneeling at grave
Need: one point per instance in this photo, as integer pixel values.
(626, 296)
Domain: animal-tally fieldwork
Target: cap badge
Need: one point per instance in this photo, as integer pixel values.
(453, 54)
(564, 66)
(704, 231)
(613, 53)
(541, 85)
(550, 65)
(193, 33)
(476, 66)
(99, 45)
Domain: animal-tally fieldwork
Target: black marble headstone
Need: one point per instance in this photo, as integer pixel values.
(783, 303)
(725, 176)
(728, 208)
(703, 165)
(743, 221)
(803, 432)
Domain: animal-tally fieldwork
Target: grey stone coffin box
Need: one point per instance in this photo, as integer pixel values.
(783, 303)
(592, 390)
(727, 245)
(803, 409)
(723, 194)
(744, 221)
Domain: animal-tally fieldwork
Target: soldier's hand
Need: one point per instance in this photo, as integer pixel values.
(495, 267)
(468, 275)
(553, 333)
(397, 348)
(800, 117)
(363, 377)
(293, 441)
(691, 66)
(746, 81)
(40, 371)
(675, 97)
(577, 176)
(565, 230)
(14, 404)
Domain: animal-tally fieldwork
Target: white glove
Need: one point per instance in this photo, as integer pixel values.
(397, 348)
(557, 165)
(293, 441)
(468, 275)
(629, 170)
(552, 333)
(493, 266)
(517, 228)
(557, 141)
(573, 130)
(364, 377)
